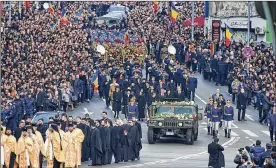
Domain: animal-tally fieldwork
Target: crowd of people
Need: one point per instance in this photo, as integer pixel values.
(68, 143)
(48, 66)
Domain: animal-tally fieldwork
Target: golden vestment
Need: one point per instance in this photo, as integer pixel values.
(24, 149)
(79, 137)
(9, 146)
(70, 148)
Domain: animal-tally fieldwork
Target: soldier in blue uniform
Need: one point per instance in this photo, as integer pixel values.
(208, 115)
(132, 109)
(216, 114)
(228, 117)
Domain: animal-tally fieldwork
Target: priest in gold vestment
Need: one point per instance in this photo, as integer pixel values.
(24, 150)
(79, 137)
(70, 148)
(9, 149)
(53, 147)
(41, 144)
(34, 156)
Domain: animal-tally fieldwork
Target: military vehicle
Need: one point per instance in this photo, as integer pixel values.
(173, 118)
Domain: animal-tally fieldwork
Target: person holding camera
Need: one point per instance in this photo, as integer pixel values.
(216, 157)
(241, 159)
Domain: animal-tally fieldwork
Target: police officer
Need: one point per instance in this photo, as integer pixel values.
(215, 113)
(207, 114)
(11, 116)
(228, 117)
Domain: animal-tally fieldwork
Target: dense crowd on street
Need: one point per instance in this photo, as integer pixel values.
(50, 67)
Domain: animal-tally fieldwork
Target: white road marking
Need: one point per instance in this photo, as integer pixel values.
(252, 141)
(234, 134)
(87, 112)
(203, 123)
(266, 132)
(249, 117)
(250, 133)
(200, 99)
(234, 125)
(232, 140)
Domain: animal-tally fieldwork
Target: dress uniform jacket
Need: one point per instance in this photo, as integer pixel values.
(216, 113)
(228, 114)
(208, 110)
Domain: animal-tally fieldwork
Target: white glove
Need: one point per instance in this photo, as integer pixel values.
(268, 125)
(205, 117)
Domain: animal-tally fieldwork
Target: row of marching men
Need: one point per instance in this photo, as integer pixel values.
(217, 111)
(60, 149)
(91, 140)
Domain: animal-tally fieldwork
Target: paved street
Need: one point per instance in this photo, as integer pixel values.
(174, 153)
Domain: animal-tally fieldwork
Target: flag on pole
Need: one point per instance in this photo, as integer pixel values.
(155, 6)
(174, 14)
(212, 48)
(27, 4)
(63, 19)
(51, 8)
(126, 37)
(228, 35)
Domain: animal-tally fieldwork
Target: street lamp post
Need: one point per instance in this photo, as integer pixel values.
(193, 19)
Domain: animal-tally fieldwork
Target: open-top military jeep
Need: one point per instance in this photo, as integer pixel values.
(173, 118)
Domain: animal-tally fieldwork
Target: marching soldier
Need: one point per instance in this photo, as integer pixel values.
(221, 104)
(208, 115)
(216, 113)
(228, 117)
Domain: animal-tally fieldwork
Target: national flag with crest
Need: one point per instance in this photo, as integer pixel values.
(174, 14)
(155, 6)
(51, 8)
(228, 35)
(63, 19)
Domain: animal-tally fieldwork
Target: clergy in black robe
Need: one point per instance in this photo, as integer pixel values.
(133, 140)
(18, 130)
(117, 102)
(116, 135)
(108, 151)
(141, 105)
(85, 130)
(139, 143)
(103, 139)
(124, 142)
(95, 146)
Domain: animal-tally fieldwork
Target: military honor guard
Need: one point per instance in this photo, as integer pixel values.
(132, 109)
(228, 117)
(216, 114)
(208, 115)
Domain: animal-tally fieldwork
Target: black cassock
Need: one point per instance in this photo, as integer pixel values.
(133, 140)
(116, 146)
(103, 139)
(139, 143)
(124, 142)
(85, 144)
(108, 153)
(96, 147)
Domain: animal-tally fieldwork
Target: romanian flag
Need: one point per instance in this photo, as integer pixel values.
(126, 37)
(155, 6)
(63, 19)
(51, 8)
(228, 34)
(174, 13)
(212, 48)
(27, 4)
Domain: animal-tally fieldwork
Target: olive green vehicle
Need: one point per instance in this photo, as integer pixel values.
(173, 119)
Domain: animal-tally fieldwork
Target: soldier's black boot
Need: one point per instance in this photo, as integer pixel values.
(214, 133)
(211, 130)
(225, 131)
(220, 124)
(208, 128)
(229, 133)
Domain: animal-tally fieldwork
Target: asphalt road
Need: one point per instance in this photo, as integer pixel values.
(175, 153)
